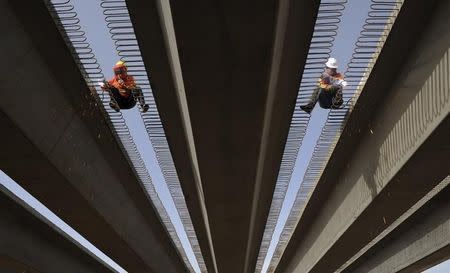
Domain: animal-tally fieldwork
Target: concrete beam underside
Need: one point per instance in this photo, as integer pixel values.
(424, 236)
(61, 150)
(396, 131)
(240, 65)
(29, 245)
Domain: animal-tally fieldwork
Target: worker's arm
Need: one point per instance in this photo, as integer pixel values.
(129, 83)
(325, 86)
(331, 83)
(324, 82)
(104, 85)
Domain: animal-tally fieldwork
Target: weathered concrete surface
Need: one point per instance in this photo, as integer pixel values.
(9, 265)
(28, 244)
(373, 178)
(423, 236)
(58, 146)
(240, 63)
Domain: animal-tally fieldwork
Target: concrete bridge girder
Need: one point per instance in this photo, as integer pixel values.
(419, 242)
(61, 150)
(28, 244)
(393, 141)
(239, 62)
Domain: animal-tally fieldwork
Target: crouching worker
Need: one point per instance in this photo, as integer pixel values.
(123, 90)
(329, 90)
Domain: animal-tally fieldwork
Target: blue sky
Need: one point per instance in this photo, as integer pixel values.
(93, 23)
(443, 267)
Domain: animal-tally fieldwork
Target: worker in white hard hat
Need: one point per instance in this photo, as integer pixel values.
(123, 89)
(329, 89)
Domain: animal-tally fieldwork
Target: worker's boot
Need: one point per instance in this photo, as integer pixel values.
(113, 104)
(307, 108)
(312, 101)
(144, 107)
(140, 97)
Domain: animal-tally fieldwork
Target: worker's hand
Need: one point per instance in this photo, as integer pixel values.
(121, 82)
(325, 78)
(104, 85)
(342, 83)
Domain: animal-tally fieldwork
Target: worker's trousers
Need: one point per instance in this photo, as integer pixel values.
(127, 102)
(327, 98)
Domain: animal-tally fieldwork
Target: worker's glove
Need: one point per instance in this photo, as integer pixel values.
(342, 83)
(104, 85)
(325, 78)
(121, 82)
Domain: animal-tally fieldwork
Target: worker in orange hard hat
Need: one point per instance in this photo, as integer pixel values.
(123, 90)
(329, 89)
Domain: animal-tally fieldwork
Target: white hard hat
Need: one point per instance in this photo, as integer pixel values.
(331, 63)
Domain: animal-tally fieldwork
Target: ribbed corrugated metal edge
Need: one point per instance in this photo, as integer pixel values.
(331, 131)
(122, 32)
(327, 22)
(68, 24)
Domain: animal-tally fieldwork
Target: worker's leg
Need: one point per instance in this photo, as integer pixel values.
(326, 99)
(312, 101)
(337, 98)
(120, 102)
(114, 96)
(140, 97)
(127, 102)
